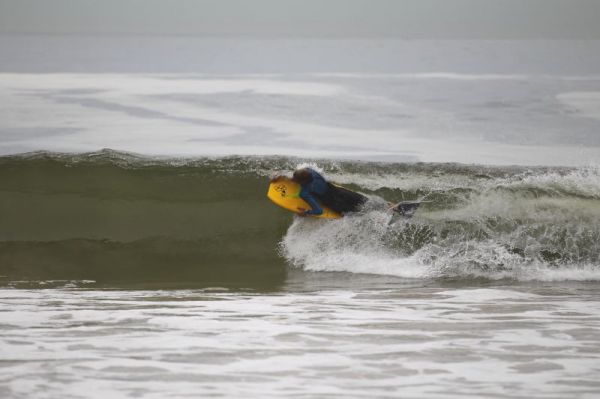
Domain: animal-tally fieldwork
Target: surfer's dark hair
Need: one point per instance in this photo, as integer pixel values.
(302, 176)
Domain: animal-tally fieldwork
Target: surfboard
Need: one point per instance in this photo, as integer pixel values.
(285, 193)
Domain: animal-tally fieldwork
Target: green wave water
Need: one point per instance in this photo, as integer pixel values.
(117, 219)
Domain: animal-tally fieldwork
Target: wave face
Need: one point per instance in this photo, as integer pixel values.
(117, 218)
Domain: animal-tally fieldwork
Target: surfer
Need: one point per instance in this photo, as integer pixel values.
(317, 192)
(316, 189)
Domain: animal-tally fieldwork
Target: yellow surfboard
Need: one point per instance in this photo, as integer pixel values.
(286, 194)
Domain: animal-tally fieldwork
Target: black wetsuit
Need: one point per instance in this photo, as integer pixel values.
(336, 198)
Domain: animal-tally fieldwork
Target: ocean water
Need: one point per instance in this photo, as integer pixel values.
(402, 339)
(140, 257)
(484, 102)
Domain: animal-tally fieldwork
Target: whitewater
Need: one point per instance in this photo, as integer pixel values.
(140, 257)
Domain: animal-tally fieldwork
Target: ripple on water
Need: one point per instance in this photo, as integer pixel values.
(410, 342)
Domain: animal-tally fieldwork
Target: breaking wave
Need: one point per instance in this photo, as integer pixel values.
(533, 224)
(116, 217)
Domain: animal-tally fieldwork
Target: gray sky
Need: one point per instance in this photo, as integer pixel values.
(322, 18)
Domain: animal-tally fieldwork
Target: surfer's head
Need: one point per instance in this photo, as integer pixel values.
(302, 176)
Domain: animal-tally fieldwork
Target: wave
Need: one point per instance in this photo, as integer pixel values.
(534, 224)
(115, 217)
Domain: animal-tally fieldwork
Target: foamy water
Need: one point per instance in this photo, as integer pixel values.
(522, 225)
(506, 119)
(409, 341)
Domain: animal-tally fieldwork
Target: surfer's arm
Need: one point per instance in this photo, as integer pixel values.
(315, 208)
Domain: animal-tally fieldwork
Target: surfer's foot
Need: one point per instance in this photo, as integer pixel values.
(406, 209)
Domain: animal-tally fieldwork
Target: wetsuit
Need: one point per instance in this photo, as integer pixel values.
(336, 198)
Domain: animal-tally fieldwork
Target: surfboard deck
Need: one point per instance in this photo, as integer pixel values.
(285, 193)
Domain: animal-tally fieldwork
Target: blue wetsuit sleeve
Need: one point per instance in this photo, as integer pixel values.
(310, 200)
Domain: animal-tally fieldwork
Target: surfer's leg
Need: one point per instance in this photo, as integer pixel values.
(406, 209)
